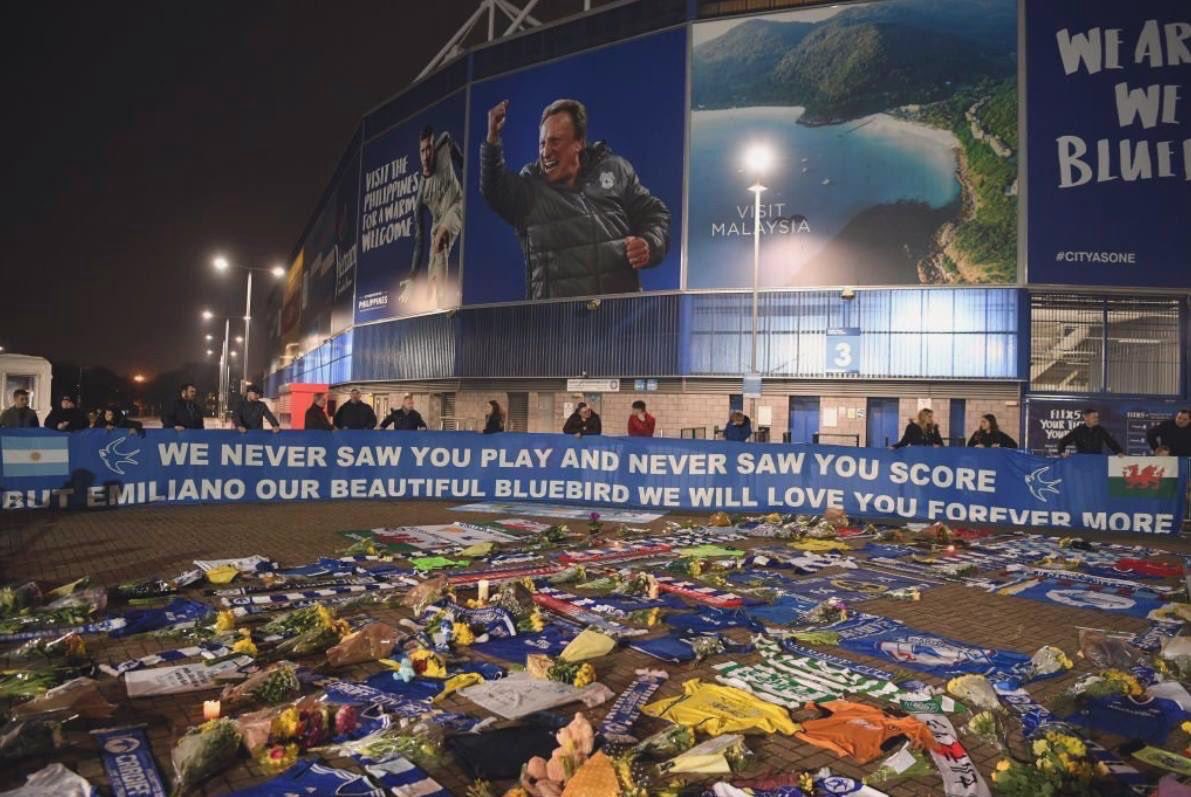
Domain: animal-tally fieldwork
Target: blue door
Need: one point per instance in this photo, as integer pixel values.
(804, 418)
(883, 424)
(957, 435)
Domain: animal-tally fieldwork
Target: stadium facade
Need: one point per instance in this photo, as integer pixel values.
(980, 206)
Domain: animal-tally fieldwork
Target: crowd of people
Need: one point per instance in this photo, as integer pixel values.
(1171, 437)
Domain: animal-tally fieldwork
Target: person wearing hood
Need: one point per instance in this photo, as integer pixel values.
(586, 223)
(66, 417)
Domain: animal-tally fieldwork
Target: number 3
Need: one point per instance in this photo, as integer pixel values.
(843, 354)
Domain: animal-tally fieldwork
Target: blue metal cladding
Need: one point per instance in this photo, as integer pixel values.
(952, 333)
(941, 333)
(422, 347)
(635, 336)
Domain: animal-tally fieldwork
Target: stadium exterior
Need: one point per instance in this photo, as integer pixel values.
(962, 325)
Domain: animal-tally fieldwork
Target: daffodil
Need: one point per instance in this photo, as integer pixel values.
(463, 634)
(245, 646)
(225, 621)
(1003, 765)
(1186, 726)
(1041, 746)
(286, 724)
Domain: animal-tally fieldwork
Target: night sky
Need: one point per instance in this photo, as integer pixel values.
(141, 138)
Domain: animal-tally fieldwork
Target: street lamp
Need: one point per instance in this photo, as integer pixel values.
(138, 378)
(225, 377)
(222, 264)
(758, 159)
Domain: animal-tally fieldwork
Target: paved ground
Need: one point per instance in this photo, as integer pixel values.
(122, 545)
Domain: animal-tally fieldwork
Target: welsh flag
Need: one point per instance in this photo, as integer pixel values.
(1143, 477)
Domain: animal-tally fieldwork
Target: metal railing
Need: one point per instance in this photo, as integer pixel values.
(834, 439)
(694, 433)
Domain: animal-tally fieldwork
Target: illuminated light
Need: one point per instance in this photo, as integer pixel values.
(239, 338)
(278, 272)
(220, 263)
(209, 352)
(138, 378)
(758, 159)
(208, 315)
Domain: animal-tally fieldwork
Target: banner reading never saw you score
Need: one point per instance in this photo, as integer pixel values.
(99, 469)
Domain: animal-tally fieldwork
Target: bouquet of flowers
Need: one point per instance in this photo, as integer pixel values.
(69, 647)
(976, 690)
(14, 600)
(204, 751)
(826, 612)
(1109, 682)
(1061, 766)
(569, 672)
(37, 736)
(302, 726)
(988, 726)
(373, 641)
(276, 684)
(321, 632)
(79, 696)
(1048, 660)
(429, 591)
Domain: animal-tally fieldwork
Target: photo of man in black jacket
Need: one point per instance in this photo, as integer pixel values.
(1172, 437)
(355, 413)
(586, 223)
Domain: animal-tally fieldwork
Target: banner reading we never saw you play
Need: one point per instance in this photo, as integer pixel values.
(99, 469)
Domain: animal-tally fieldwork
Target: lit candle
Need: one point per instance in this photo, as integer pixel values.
(483, 590)
(210, 709)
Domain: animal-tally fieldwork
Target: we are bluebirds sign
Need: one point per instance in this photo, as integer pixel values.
(955, 485)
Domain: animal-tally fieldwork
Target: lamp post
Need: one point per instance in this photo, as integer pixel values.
(224, 363)
(221, 264)
(758, 159)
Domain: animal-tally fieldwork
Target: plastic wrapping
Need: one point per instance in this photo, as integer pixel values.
(373, 641)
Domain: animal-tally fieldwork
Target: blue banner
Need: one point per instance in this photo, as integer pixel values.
(103, 470)
(1110, 148)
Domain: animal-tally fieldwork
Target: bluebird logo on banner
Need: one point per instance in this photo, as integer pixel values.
(115, 459)
(1039, 485)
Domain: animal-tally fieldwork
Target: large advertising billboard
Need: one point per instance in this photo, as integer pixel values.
(411, 215)
(1126, 419)
(329, 251)
(583, 194)
(892, 128)
(1110, 146)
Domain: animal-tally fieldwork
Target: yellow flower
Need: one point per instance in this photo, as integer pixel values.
(277, 758)
(1003, 765)
(225, 621)
(285, 725)
(432, 664)
(536, 621)
(1040, 747)
(527, 582)
(1186, 726)
(1102, 769)
(585, 676)
(463, 634)
(245, 645)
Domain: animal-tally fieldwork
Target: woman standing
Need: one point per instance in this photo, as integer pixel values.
(921, 432)
(989, 435)
(494, 421)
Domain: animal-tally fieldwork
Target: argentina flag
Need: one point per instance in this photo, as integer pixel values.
(35, 455)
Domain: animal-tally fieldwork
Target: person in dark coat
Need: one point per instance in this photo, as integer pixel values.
(114, 418)
(586, 224)
(405, 418)
(66, 417)
(20, 414)
(316, 414)
(584, 423)
(1089, 437)
(739, 428)
(185, 412)
(252, 412)
(989, 435)
(921, 432)
(494, 421)
(1172, 437)
(355, 413)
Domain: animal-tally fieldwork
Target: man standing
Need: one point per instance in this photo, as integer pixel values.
(739, 428)
(1089, 437)
(67, 417)
(405, 418)
(641, 423)
(585, 222)
(19, 415)
(252, 412)
(316, 415)
(355, 414)
(583, 423)
(1172, 437)
(441, 195)
(184, 413)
